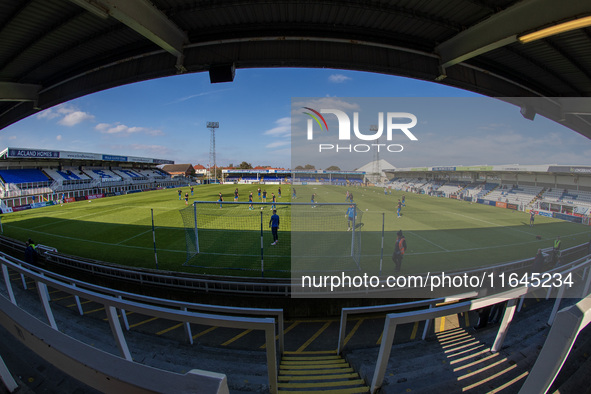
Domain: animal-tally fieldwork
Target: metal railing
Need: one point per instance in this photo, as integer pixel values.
(102, 370)
(412, 305)
(238, 285)
(207, 284)
(113, 303)
(563, 334)
(277, 314)
(512, 297)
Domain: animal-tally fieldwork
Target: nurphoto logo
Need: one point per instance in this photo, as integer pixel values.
(395, 122)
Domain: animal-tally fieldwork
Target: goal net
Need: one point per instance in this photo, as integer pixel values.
(238, 235)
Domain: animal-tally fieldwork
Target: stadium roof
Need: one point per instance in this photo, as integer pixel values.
(56, 50)
(11, 153)
(538, 168)
(382, 164)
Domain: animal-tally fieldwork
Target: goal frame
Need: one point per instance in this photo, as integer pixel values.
(354, 232)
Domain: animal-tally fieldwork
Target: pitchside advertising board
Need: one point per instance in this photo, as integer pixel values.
(456, 134)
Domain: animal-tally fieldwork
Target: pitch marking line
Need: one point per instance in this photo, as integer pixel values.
(481, 248)
(94, 242)
(491, 223)
(135, 236)
(425, 239)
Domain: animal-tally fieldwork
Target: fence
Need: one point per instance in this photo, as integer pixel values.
(511, 297)
(113, 303)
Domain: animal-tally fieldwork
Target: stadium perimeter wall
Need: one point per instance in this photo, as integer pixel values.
(219, 290)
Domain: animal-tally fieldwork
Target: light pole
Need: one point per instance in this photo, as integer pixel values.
(376, 162)
(212, 126)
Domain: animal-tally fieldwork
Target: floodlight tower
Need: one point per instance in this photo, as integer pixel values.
(377, 171)
(212, 126)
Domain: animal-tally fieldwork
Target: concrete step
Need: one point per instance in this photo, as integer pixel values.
(318, 373)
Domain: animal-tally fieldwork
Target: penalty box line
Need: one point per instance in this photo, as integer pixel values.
(95, 242)
(481, 248)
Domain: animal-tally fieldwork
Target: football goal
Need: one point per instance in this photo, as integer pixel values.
(317, 237)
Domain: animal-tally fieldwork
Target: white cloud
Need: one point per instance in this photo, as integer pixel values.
(12, 137)
(48, 114)
(277, 144)
(75, 117)
(70, 116)
(122, 129)
(282, 128)
(59, 137)
(198, 95)
(338, 78)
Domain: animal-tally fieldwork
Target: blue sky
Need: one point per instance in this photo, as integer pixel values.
(166, 118)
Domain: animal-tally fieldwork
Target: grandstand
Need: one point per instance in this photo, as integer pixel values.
(550, 190)
(275, 176)
(116, 341)
(36, 176)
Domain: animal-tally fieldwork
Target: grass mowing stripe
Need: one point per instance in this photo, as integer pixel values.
(77, 217)
(97, 242)
(445, 233)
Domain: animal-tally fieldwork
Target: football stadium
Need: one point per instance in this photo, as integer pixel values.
(380, 271)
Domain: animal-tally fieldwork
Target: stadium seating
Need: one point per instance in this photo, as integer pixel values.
(66, 174)
(22, 176)
(102, 174)
(553, 195)
(451, 188)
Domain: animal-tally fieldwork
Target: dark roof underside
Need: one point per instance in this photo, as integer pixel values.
(53, 51)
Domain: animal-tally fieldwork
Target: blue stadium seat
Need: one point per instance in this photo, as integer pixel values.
(23, 176)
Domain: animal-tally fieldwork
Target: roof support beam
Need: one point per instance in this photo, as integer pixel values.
(11, 91)
(143, 17)
(504, 27)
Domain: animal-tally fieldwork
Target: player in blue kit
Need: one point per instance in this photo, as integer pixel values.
(273, 207)
(350, 217)
(274, 224)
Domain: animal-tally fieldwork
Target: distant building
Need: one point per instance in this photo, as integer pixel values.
(375, 171)
(178, 170)
(200, 171)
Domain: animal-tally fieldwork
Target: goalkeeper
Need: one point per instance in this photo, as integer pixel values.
(350, 217)
(274, 224)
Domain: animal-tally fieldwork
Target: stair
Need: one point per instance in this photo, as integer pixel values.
(324, 372)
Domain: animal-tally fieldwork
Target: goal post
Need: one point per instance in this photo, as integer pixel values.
(238, 235)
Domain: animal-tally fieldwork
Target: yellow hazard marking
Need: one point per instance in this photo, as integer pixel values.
(415, 328)
(237, 337)
(210, 329)
(169, 329)
(353, 331)
(313, 337)
(143, 322)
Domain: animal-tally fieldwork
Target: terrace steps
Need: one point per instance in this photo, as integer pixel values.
(325, 372)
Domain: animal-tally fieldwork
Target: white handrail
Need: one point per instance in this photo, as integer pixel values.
(568, 324)
(112, 303)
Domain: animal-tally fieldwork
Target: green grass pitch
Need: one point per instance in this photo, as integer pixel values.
(442, 234)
